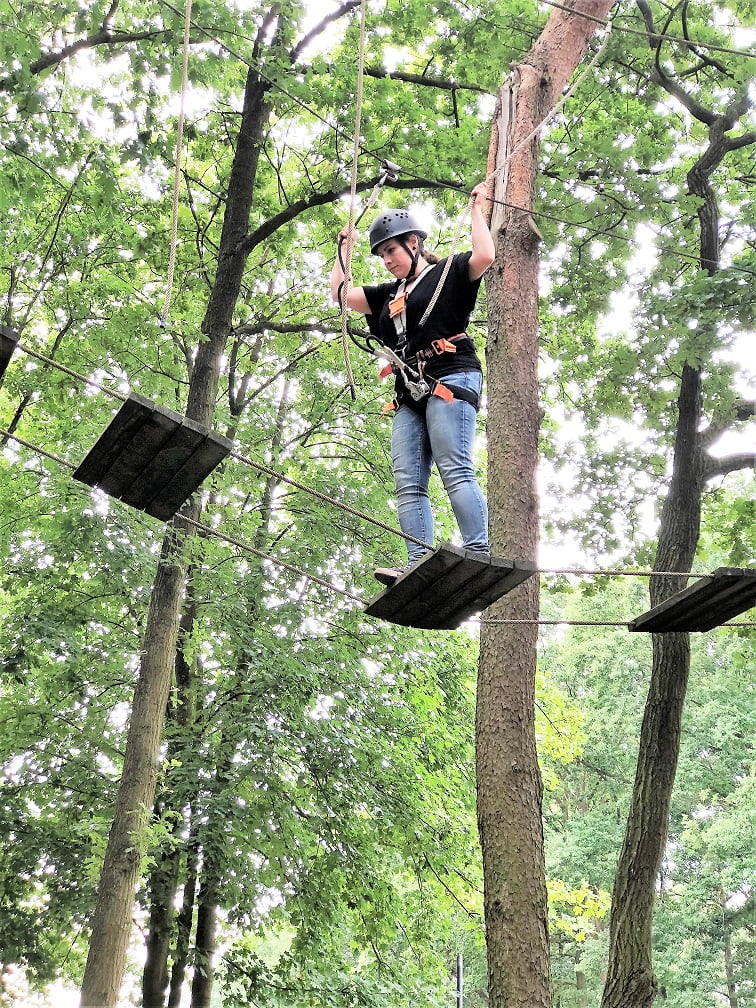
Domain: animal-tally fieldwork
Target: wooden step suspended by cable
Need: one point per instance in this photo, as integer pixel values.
(710, 602)
(447, 587)
(151, 457)
(8, 341)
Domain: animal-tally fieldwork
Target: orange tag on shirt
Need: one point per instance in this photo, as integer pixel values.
(397, 306)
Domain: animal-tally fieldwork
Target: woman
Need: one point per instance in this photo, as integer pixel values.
(438, 426)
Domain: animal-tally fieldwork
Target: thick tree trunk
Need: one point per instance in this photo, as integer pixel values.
(111, 924)
(509, 786)
(732, 990)
(630, 979)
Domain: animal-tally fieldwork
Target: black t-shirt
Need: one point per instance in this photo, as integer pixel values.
(449, 318)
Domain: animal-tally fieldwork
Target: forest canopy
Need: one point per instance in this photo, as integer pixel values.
(310, 836)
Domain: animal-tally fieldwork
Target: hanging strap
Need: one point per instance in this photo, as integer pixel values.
(177, 167)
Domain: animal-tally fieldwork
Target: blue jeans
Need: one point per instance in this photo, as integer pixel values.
(444, 435)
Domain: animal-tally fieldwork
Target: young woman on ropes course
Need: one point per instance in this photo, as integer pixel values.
(419, 318)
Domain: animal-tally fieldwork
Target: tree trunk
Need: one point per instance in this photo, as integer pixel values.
(630, 981)
(111, 924)
(164, 879)
(162, 889)
(509, 788)
(184, 921)
(205, 940)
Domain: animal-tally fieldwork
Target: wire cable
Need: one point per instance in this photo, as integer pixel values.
(259, 466)
(200, 526)
(642, 33)
(267, 470)
(355, 512)
(324, 498)
(73, 374)
(338, 131)
(586, 623)
(260, 554)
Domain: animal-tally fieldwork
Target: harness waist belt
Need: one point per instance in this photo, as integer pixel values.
(436, 348)
(446, 392)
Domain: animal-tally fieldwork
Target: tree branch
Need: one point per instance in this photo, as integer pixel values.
(423, 79)
(660, 77)
(743, 141)
(743, 410)
(102, 37)
(320, 27)
(696, 109)
(256, 237)
(728, 464)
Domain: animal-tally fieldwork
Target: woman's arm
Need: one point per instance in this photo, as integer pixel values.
(355, 295)
(483, 249)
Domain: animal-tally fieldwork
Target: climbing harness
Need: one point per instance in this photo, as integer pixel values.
(412, 369)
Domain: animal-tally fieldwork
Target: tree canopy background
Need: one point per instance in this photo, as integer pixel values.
(316, 800)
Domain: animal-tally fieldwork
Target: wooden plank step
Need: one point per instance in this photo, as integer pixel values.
(151, 457)
(8, 340)
(710, 602)
(446, 587)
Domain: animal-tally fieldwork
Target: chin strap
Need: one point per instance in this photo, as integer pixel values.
(414, 256)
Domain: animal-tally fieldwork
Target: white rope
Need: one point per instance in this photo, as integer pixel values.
(462, 217)
(177, 168)
(349, 243)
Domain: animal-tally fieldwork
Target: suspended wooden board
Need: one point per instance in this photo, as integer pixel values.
(447, 587)
(152, 458)
(8, 340)
(708, 603)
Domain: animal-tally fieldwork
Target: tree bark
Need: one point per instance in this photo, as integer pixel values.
(205, 939)
(162, 889)
(509, 788)
(164, 880)
(111, 924)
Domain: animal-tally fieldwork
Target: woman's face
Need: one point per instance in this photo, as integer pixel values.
(395, 257)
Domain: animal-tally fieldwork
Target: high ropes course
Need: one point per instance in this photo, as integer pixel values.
(154, 459)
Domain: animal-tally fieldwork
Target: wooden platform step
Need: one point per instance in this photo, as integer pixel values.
(710, 602)
(447, 587)
(8, 340)
(151, 457)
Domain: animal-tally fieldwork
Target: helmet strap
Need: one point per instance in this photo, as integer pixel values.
(414, 256)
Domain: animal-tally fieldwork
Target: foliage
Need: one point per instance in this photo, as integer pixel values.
(326, 763)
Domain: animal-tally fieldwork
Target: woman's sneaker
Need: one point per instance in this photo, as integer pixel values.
(388, 575)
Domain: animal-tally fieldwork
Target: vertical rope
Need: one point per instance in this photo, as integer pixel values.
(349, 243)
(177, 168)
